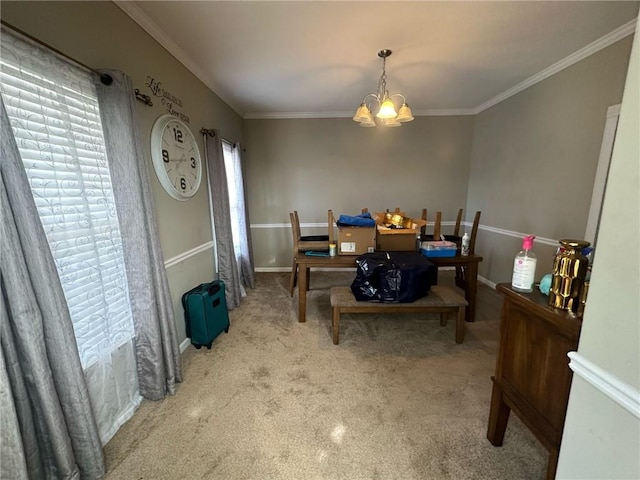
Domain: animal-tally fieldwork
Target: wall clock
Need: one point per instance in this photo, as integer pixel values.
(176, 158)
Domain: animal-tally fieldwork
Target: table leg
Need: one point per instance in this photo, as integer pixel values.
(471, 289)
(303, 286)
(335, 325)
(498, 416)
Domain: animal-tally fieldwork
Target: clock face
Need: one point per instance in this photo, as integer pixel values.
(176, 158)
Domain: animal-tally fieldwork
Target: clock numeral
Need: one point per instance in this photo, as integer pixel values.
(193, 162)
(177, 134)
(183, 183)
(165, 156)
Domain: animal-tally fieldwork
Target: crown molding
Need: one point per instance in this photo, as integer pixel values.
(445, 112)
(603, 42)
(152, 28)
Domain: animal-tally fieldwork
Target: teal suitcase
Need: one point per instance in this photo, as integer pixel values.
(205, 313)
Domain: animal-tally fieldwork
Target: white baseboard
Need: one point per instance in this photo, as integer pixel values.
(625, 395)
(486, 281)
(185, 343)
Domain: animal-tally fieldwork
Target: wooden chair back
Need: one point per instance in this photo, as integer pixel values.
(474, 233)
(436, 226)
(456, 229)
(423, 229)
(306, 243)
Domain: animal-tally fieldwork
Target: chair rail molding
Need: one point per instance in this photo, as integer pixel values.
(188, 254)
(501, 231)
(620, 392)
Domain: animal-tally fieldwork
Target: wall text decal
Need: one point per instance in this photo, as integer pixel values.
(169, 100)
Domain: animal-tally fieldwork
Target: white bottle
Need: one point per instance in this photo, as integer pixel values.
(524, 267)
(464, 250)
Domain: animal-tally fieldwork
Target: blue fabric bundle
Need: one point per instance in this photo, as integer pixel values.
(362, 220)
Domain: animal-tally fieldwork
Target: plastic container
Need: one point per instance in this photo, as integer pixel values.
(524, 267)
(464, 250)
(438, 249)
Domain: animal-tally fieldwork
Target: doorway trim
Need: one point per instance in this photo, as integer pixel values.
(602, 172)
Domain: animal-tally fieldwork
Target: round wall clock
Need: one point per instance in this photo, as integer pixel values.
(176, 158)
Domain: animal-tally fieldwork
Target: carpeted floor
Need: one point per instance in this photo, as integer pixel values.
(275, 399)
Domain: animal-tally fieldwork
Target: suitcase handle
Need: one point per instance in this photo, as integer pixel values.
(215, 288)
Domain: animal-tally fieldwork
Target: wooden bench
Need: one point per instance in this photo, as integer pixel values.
(442, 300)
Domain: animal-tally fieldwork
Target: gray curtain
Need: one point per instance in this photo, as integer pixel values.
(48, 428)
(227, 264)
(157, 349)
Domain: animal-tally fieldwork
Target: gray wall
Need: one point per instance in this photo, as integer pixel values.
(535, 155)
(313, 165)
(101, 35)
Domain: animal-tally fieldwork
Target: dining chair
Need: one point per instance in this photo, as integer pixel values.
(456, 237)
(460, 271)
(424, 237)
(306, 243)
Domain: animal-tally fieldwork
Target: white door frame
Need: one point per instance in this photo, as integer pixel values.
(600, 182)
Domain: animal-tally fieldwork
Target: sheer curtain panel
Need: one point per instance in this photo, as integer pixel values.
(239, 216)
(48, 427)
(54, 115)
(235, 266)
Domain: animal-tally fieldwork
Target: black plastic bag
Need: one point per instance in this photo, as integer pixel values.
(393, 277)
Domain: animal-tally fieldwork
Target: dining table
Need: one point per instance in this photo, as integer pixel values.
(468, 281)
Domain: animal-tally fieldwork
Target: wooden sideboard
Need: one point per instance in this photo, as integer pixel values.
(532, 375)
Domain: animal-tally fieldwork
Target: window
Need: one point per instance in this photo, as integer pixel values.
(236, 203)
(53, 109)
(54, 114)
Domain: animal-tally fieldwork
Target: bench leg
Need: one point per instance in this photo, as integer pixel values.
(460, 325)
(444, 317)
(335, 325)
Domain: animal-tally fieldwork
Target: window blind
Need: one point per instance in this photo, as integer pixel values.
(54, 115)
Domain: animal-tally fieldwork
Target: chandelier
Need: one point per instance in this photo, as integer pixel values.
(383, 104)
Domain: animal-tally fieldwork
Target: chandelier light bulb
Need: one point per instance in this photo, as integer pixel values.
(387, 109)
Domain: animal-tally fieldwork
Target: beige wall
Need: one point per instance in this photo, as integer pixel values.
(601, 438)
(313, 165)
(101, 35)
(535, 155)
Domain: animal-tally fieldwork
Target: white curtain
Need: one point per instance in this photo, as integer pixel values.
(237, 206)
(228, 218)
(53, 110)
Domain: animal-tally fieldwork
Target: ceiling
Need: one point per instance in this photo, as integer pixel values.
(298, 59)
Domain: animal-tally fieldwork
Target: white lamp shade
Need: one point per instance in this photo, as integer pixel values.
(391, 122)
(404, 114)
(387, 110)
(368, 121)
(362, 113)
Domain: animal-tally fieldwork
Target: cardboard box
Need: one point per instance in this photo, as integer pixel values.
(356, 240)
(396, 239)
(438, 249)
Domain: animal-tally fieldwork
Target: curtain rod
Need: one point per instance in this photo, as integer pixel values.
(212, 133)
(104, 77)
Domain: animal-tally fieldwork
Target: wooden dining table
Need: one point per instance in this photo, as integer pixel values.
(469, 282)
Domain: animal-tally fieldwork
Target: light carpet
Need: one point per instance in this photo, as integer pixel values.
(275, 399)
